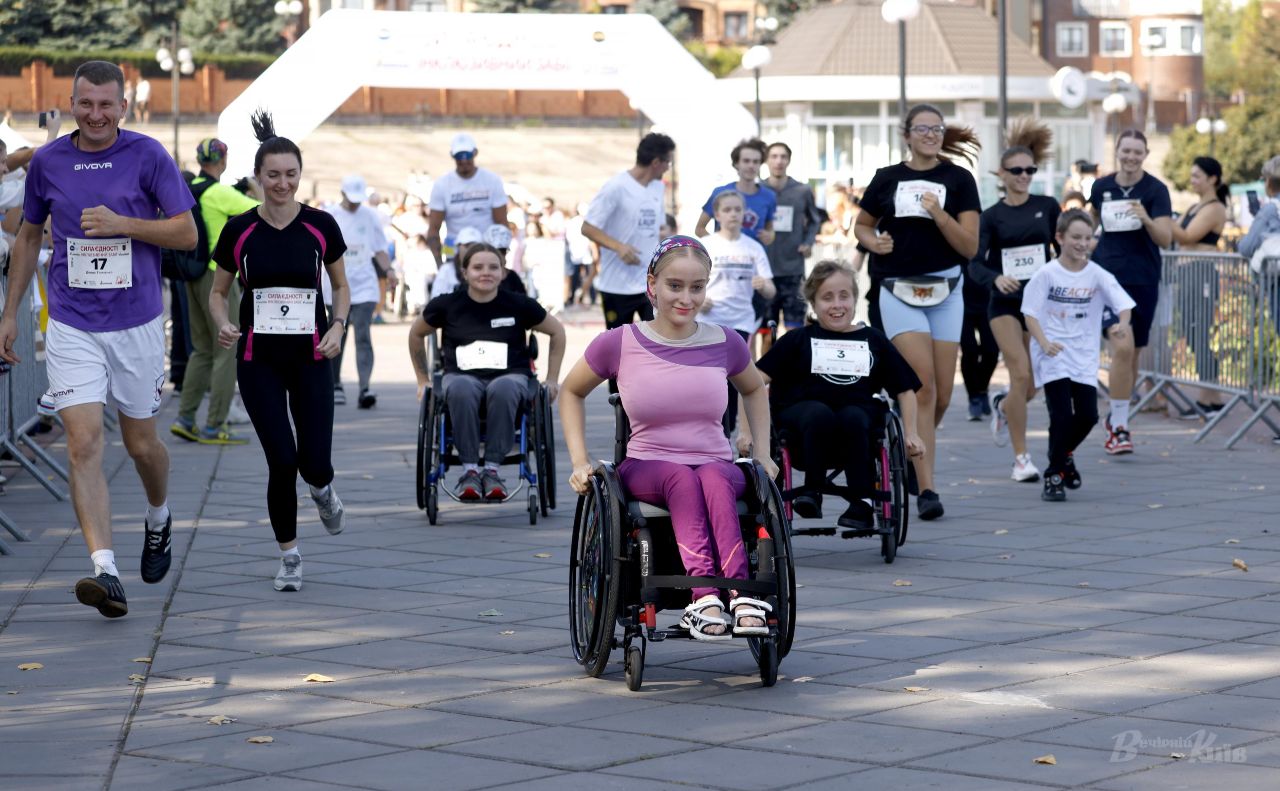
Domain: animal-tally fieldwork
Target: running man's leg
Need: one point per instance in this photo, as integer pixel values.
(196, 378)
(150, 456)
(359, 318)
(676, 488)
(342, 350)
(463, 394)
(222, 379)
(89, 494)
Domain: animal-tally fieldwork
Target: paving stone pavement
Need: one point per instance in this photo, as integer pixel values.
(1111, 631)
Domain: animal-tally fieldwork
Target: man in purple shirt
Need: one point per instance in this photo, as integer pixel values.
(115, 198)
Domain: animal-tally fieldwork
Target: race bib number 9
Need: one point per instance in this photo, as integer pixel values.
(839, 358)
(1021, 263)
(908, 200)
(1118, 216)
(100, 263)
(284, 311)
(481, 354)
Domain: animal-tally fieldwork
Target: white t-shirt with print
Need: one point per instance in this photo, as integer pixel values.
(632, 214)
(1069, 306)
(362, 231)
(467, 203)
(733, 264)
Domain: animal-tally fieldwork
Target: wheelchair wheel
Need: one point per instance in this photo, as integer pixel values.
(633, 667)
(899, 469)
(428, 460)
(767, 659)
(544, 451)
(770, 651)
(594, 576)
(533, 508)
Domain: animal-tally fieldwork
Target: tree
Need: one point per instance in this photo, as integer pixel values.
(152, 21)
(66, 24)
(1248, 142)
(667, 12)
(1220, 22)
(523, 6)
(232, 27)
(1256, 50)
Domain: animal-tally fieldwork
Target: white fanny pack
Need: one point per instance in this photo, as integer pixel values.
(921, 292)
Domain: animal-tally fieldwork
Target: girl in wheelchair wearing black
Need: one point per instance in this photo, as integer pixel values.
(824, 378)
(671, 376)
(486, 361)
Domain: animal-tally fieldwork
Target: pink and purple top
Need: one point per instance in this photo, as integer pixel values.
(673, 390)
(134, 177)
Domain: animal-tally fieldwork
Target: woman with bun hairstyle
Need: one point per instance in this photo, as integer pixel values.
(919, 220)
(1015, 239)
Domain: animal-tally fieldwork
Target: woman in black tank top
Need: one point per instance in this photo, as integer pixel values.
(1201, 227)
(1199, 231)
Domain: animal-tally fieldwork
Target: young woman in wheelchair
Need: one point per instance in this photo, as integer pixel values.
(824, 379)
(671, 376)
(485, 354)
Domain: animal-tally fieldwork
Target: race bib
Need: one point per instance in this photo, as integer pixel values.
(284, 311)
(908, 200)
(839, 358)
(100, 263)
(1020, 263)
(481, 354)
(1118, 216)
(782, 219)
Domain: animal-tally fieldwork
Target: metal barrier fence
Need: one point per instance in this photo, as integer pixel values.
(1216, 328)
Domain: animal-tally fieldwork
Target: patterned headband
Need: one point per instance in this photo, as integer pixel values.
(672, 242)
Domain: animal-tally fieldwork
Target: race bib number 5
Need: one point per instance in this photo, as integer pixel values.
(100, 263)
(909, 197)
(481, 354)
(284, 311)
(1021, 263)
(840, 358)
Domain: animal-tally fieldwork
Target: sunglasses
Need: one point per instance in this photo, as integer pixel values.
(1018, 171)
(465, 155)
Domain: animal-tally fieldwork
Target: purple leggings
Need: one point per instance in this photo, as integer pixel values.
(695, 496)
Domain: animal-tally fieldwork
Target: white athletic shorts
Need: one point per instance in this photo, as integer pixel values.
(84, 367)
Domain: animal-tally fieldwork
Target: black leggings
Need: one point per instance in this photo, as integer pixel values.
(272, 392)
(821, 438)
(1073, 412)
(978, 352)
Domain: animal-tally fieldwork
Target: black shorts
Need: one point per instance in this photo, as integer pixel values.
(1007, 307)
(787, 303)
(622, 309)
(1144, 312)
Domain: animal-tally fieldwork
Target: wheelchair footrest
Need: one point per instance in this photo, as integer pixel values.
(813, 531)
(865, 533)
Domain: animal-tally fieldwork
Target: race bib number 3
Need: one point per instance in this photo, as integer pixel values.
(1118, 216)
(783, 219)
(908, 200)
(100, 263)
(481, 354)
(284, 311)
(840, 358)
(1021, 263)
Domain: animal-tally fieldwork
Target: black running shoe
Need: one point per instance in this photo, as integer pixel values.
(155, 553)
(1054, 490)
(103, 592)
(858, 516)
(807, 505)
(1070, 475)
(929, 505)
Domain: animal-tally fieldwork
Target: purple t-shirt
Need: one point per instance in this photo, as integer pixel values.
(135, 177)
(674, 395)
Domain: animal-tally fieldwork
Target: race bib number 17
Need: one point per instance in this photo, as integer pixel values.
(100, 263)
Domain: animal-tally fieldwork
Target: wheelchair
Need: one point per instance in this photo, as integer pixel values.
(625, 567)
(534, 451)
(891, 483)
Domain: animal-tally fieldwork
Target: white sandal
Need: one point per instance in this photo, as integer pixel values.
(743, 607)
(696, 620)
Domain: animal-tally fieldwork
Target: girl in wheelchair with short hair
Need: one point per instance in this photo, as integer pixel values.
(485, 352)
(824, 378)
(671, 376)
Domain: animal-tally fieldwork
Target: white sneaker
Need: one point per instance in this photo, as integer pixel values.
(289, 577)
(332, 514)
(236, 415)
(1023, 470)
(999, 426)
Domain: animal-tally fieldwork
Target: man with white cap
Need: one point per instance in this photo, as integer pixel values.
(468, 197)
(366, 255)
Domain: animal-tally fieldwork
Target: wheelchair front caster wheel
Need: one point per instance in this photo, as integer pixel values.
(767, 657)
(633, 667)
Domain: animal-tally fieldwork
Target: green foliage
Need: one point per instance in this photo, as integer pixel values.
(1248, 142)
(668, 13)
(524, 6)
(14, 59)
(232, 27)
(1220, 21)
(1256, 50)
(720, 61)
(65, 24)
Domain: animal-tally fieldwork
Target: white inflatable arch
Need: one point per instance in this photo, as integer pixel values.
(630, 53)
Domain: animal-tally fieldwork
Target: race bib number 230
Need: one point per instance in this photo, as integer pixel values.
(100, 263)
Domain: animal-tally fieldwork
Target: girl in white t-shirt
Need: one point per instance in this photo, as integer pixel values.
(1063, 305)
(739, 266)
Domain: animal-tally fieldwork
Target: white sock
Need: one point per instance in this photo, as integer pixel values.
(294, 551)
(1120, 413)
(157, 515)
(319, 494)
(471, 468)
(493, 468)
(104, 560)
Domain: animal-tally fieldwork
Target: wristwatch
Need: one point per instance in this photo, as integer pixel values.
(337, 320)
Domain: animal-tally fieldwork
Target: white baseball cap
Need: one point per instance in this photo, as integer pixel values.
(498, 235)
(462, 143)
(355, 189)
(467, 236)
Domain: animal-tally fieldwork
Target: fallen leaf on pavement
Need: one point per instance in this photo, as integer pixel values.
(367, 477)
(801, 679)
(1177, 756)
(902, 583)
(1047, 759)
(317, 677)
(1001, 531)
(1003, 557)
(1232, 541)
(143, 659)
(259, 740)
(542, 554)
(221, 719)
(30, 666)
(489, 614)
(1082, 584)
(1240, 564)
(508, 631)
(137, 678)
(1154, 505)
(916, 689)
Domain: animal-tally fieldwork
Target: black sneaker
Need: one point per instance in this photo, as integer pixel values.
(858, 516)
(155, 553)
(1070, 475)
(986, 404)
(807, 505)
(1054, 489)
(929, 505)
(975, 409)
(367, 400)
(103, 592)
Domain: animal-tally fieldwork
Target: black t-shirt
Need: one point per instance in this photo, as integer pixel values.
(505, 319)
(789, 365)
(267, 258)
(918, 245)
(1131, 255)
(1004, 227)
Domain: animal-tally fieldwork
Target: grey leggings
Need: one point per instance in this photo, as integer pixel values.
(358, 321)
(501, 396)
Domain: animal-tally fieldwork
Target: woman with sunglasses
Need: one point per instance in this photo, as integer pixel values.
(919, 220)
(1015, 239)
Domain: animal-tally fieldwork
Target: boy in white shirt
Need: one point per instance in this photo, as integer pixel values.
(1063, 305)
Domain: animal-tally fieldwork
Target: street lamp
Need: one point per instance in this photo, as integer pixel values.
(1151, 41)
(289, 11)
(901, 11)
(184, 65)
(1211, 127)
(756, 59)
